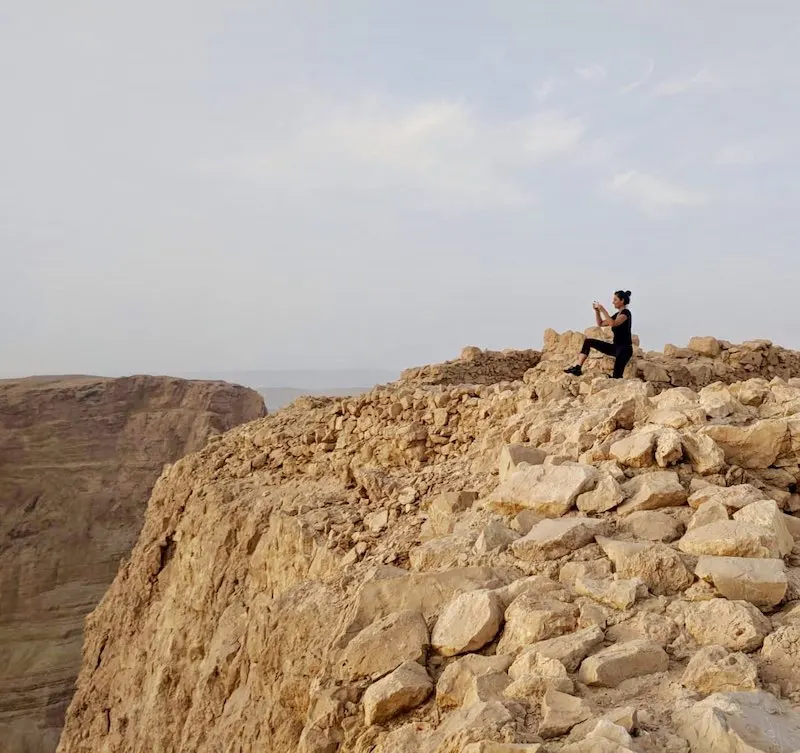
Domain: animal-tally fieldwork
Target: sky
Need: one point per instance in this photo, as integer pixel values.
(235, 185)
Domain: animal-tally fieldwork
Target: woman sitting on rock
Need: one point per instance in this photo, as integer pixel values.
(622, 347)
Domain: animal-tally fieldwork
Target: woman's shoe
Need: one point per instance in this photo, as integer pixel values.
(574, 370)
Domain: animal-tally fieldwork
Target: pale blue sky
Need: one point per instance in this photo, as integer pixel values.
(225, 185)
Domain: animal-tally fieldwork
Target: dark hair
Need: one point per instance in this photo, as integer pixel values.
(624, 296)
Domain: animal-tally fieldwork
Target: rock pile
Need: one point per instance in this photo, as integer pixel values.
(546, 564)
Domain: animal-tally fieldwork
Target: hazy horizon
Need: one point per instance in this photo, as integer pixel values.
(373, 185)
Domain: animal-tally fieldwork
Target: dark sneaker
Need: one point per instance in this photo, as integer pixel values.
(574, 370)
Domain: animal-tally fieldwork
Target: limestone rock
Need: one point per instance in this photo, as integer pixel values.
(732, 497)
(754, 722)
(714, 669)
(707, 513)
(571, 571)
(651, 491)
(669, 447)
(780, 658)
(495, 537)
(444, 509)
(561, 712)
(529, 620)
(731, 538)
(571, 649)
(619, 551)
(549, 490)
(652, 525)
(659, 566)
(552, 539)
(467, 623)
(766, 513)
(533, 674)
(441, 553)
(705, 455)
(718, 402)
(604, 497)
(512, 455)
(754, 446)
(486, 746)
(656, 628)
(736, 625)
(385, 645)
(617, 594)
(636, 450)
(762, 582)
(471, 679)
(404, 689)
(705, 346)
(622, 661)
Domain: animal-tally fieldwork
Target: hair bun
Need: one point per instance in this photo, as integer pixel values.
(628, 293)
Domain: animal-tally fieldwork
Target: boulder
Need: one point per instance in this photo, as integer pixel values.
(635, 450)
(761, 582)
(529, 620)
(659, 566)
(736, 625)
(718, 402)
(622, 661)
(552, 539)
(706, 514)
(468, 623)
(571, 649)
(560, 713)
(731, 538)
(486, 746)
(604, 497)
(705, 346)
(750, 722)
(669, 447)
(652, 525)
(549, 490)
(651, 491)
(404, 689)
(617, 594)
(444, 509)
(780, 658)
(714, 669)
(533, 674)
(495, 537)
(571, 571)
(650, 626)
(732, 497)
(513, 455)
(755, 446)
(385, 645)
(767, 514)
(705, 455)
(470, 679)
(441, 553)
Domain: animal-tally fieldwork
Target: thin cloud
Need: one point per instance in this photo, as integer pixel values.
(591, 72)
(440, 153)
(633, 85)
(700, 81)
(552, 133)
(544, 90)
(653, 195)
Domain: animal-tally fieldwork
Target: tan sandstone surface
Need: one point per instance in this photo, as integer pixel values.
(78, 460)
(486, 556)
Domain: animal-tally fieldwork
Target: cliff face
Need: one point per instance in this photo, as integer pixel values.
(78, 460)
(443, 565)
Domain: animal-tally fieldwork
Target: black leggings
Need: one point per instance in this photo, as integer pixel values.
(620, 353)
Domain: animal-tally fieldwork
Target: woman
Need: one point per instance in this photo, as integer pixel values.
(622, 347)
